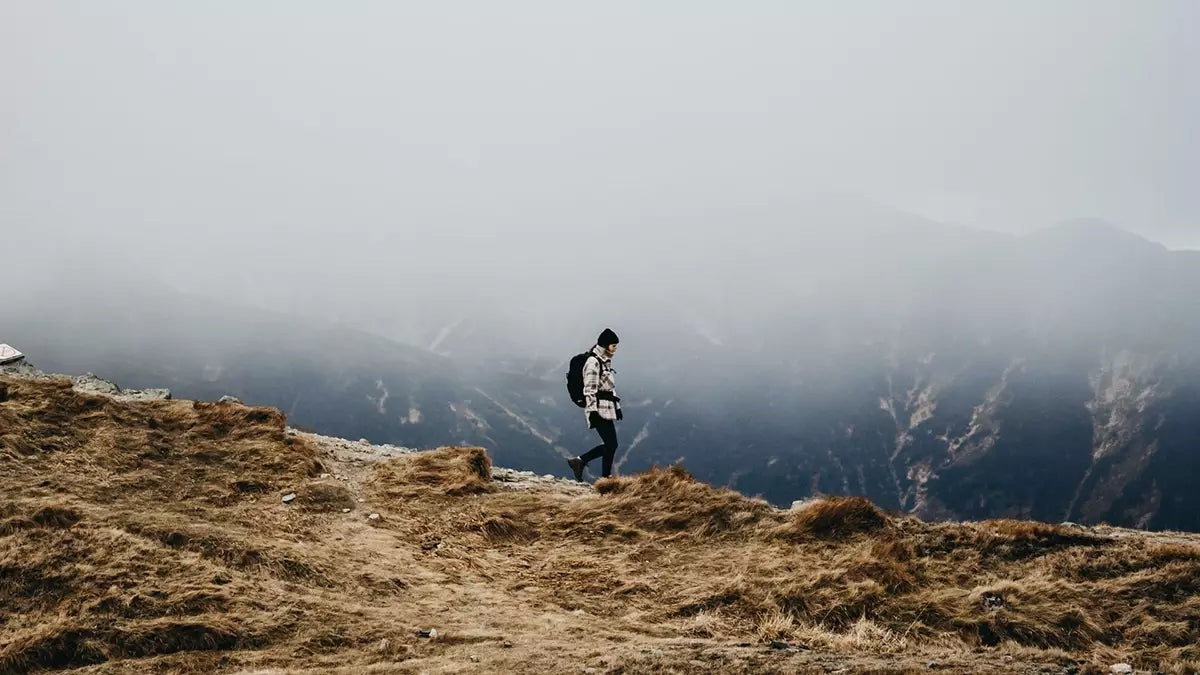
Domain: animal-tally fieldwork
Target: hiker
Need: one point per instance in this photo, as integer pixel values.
(601, 405)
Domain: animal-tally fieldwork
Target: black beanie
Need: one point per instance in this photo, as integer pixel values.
(607, 338)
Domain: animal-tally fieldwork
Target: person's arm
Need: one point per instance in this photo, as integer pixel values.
(591, 384)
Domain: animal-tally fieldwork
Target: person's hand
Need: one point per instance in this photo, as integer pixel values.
(620, 415)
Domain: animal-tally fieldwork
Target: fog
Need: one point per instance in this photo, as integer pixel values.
(555, 167)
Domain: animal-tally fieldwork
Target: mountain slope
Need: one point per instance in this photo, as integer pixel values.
(151, 536)
(938, 371)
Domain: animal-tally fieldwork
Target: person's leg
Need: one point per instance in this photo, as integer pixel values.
(595, 452)
(596, 422)
(608, 433)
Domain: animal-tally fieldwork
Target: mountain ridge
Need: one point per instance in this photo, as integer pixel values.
(192, 536)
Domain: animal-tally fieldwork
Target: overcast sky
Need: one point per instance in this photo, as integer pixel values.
(396, 131)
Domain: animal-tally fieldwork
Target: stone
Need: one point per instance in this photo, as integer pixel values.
(383, 645)
(345, 510)
(361, 500)
(373, 516)
(229, 399)
(89, 382)
(324, 475)
(289, 497)
(993, 602)
(427, 633)
(657, 652)
(1120, 668)
(507, 645)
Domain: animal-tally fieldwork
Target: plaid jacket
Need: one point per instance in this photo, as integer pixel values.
(598, 376)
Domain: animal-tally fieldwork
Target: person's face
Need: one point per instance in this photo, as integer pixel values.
(612, 349)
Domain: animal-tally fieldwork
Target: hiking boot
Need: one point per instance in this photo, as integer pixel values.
(576, 465)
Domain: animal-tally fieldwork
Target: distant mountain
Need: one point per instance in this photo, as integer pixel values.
(941, 371)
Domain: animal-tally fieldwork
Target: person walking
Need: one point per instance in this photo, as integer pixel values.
(602, 405)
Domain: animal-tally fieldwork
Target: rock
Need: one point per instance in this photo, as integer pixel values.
(932, 665)
(1120, 668)
(289, 497)
(147, 394)
(427, 633)
(383, 645)
(361, 500)
(373, 516)
(507, 644)
(363, 441)
(474, 659)
(590, 671)
(993, 602)
(229, 399)
(657, 652)
(345, 510)
(90, 383)
(324, 475)
(548, 476)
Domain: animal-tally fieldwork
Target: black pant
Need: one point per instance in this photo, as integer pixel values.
(608, 449)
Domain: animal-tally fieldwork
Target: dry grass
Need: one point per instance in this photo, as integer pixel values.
(443, 472)
(150, 537)
(836, 517)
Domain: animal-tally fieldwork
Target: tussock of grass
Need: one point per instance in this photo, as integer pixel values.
(446, 471)
(325, 497)
(671, 500)
(506, 526)
(71, 644)
(56, 516)
(836, 517)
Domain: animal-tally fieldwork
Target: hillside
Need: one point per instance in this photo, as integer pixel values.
(153, 536)
(945, 373)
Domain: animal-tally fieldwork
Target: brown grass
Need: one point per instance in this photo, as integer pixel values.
(442, 472)
(150, 537)
(837, 517)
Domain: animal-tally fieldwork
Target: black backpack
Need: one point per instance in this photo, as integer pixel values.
(575, 377)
